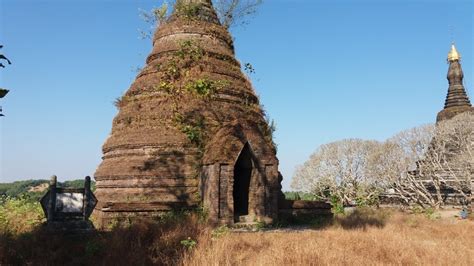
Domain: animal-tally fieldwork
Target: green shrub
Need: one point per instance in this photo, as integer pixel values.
(187, 10)
(337, 205)
(363, 200)
(220, 231)
(19, 215)
(188, 49)
(193, 128)
(201, 87)
(432, 214)
(189, 243)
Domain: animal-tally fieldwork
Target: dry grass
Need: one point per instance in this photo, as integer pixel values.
(141, 243)
(360, 239)
(363, 237)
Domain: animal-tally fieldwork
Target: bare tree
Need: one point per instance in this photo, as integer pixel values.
(425, 166)
(358, 170)
(230, 12)
(434, 164)
(153, 18)
(394, 160)
(340, 170)
(448, 166)
(236, 12)
(2, 57)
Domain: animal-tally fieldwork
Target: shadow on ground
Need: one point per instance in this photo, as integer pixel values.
(362, 219)
(142, 243)
(359, 218)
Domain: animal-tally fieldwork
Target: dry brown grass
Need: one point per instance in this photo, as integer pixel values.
(360, 239)
(141, 243)
(364, 237)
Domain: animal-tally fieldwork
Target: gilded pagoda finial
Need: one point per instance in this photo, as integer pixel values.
(453, 54)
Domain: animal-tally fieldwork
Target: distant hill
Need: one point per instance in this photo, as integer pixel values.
(35, 189)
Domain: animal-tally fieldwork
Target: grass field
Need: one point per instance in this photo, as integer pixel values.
(364, 237)
(361, 239)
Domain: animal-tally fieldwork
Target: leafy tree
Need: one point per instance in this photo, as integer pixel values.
(18, 188)
(34, 189)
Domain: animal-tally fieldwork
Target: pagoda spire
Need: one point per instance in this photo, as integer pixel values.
(453, 54)
(457, 100)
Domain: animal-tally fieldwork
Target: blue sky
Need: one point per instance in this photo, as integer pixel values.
(325, 70)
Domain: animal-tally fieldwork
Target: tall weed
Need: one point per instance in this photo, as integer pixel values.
(19, 215)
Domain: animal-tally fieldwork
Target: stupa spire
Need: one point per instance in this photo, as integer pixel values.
(453, 54)
(457, 100)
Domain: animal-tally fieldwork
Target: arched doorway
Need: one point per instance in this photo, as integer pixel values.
(242, 175)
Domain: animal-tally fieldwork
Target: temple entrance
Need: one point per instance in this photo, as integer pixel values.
(242, 176)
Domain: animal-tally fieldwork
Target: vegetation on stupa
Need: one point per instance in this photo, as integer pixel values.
(182, 75)
(182, 80)
(189, 108)
(231, 13)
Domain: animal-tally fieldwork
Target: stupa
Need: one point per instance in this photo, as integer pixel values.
(190, 131)
(443, 158)
(457, 100)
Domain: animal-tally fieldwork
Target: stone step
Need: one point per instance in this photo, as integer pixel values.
(246, 227)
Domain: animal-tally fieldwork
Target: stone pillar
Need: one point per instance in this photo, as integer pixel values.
(52, 198)
(87, 196)
(226, 198)
(210, 190)
(271, 191)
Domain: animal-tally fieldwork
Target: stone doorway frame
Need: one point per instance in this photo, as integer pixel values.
(253, 176)
(217, 188)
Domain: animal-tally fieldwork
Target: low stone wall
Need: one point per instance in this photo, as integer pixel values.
(303, 208)
(450, 198)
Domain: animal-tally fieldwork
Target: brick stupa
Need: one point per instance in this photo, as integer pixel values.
(190, 131)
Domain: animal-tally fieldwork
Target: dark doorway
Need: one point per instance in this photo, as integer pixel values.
(242, 175)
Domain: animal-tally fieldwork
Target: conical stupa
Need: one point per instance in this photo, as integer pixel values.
(445, 160)
(190, 131)
(457, 100)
